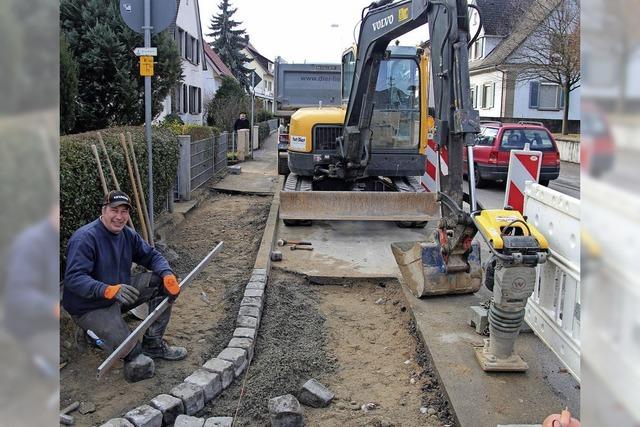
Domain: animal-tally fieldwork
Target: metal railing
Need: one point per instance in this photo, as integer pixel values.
(199, 162)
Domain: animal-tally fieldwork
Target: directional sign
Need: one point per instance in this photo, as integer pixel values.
(163, 12)
(146, 51)
(256, 79)
(146, 66)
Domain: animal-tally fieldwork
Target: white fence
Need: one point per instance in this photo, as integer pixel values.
(569, 150)
(553, 311)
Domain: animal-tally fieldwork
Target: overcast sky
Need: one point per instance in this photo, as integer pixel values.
(297, 30)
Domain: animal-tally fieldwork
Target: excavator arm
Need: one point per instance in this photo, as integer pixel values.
(456, 121)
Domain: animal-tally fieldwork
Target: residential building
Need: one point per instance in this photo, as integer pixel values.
(264, 68)
(498, 89)
(187, 98)
(216, 70)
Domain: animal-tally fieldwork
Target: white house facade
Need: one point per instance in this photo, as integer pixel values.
(498, 91)
(187, 98)
(264, 68)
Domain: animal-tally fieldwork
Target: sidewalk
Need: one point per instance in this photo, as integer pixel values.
(259, 175)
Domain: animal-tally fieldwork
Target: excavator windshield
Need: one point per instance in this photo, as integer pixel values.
(396, 105)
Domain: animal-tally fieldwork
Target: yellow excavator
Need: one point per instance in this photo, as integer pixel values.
(363, 162)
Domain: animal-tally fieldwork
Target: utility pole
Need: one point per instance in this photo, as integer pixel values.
(147, 111)
(253, 102)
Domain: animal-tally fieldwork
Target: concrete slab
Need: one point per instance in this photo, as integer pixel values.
(345, 249)
(259, 175)
(184, 207)
(479, 398)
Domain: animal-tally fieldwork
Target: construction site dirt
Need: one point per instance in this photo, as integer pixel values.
(357, 337)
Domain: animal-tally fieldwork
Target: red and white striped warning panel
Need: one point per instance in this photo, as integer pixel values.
(523, 166)
(431, 179)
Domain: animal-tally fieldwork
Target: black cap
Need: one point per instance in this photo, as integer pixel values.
(116, 198)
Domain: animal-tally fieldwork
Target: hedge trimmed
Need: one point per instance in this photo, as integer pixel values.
(80, 188)
(263, 131)
(196, 132)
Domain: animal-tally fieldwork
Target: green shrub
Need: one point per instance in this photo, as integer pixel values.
(80, 188)
(263, 131)
(263, 116)
(196, 132)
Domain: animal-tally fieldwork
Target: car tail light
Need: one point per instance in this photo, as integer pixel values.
(493, 157)
(557, 159)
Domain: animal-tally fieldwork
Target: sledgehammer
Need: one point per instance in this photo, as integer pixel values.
(283, 242)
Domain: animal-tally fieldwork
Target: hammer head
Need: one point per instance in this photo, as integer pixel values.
(281, 242)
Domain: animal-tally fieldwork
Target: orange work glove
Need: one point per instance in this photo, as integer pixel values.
(125, 294)
(171, 286)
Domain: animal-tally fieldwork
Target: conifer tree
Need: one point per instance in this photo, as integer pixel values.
(229, 40)
(110, 88)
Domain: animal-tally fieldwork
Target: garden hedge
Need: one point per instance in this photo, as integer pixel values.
(80, 189)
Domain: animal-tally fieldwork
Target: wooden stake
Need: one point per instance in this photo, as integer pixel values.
(113, 174)
(136, 197)
(140, 188)
(105, 190)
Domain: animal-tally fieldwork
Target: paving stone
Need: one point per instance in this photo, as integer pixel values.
(246, 322)
(256, 284)
(244, 343)
(117, 422)
(223, 368)
(234, 169)
(192, 397)
(144, 416)
(218, 422)
(285, 411)
(209, 381)
(260, 272)
(140, 368)
(315, 394)
(245, 333)
(249, 310)
(253, 301)
(170, 406)
(188, 421)
(237, 356)
(254, 293)
(478, 318)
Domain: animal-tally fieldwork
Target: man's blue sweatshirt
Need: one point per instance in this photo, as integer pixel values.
(97, 258)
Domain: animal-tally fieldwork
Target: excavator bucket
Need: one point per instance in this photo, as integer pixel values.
(427, 273)
(358, 206)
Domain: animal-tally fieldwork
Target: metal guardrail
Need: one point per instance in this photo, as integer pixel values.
(554, 309)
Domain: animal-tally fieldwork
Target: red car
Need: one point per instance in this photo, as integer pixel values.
(495, 142)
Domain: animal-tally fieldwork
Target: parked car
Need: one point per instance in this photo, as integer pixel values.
(495, 142)
(597, 149)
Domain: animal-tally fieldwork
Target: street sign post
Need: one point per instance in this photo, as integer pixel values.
(146, 66)
(141, 18)
(146, 51)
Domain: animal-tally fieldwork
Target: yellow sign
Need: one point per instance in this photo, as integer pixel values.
(403, 13)
(146, 66)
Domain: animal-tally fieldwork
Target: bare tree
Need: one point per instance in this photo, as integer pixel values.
(551, 52)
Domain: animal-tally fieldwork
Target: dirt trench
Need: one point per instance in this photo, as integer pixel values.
(357, 338)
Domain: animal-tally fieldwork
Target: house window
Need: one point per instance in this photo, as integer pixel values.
(474, 96)
(488, 94)
(180, 42)
(185, 99)
(545, 96)
(269, 86)
(195, 101)
(477, 49)
(197, 51)
(188, 46)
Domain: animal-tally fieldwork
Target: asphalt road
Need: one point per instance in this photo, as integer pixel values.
(492, 196)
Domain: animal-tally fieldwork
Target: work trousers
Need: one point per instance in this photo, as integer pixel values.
(107, 323)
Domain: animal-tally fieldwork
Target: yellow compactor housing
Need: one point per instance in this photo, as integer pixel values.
(492, 223)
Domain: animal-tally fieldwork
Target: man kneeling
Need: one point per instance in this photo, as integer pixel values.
(98, 286)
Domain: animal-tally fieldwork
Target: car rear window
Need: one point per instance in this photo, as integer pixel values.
(592, 124)
(487, 136)
(515, 139)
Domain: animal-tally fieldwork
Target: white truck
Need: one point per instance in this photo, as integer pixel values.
(298, 86)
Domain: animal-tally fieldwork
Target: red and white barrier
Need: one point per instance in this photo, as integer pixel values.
(524, 165)
(431, 178)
